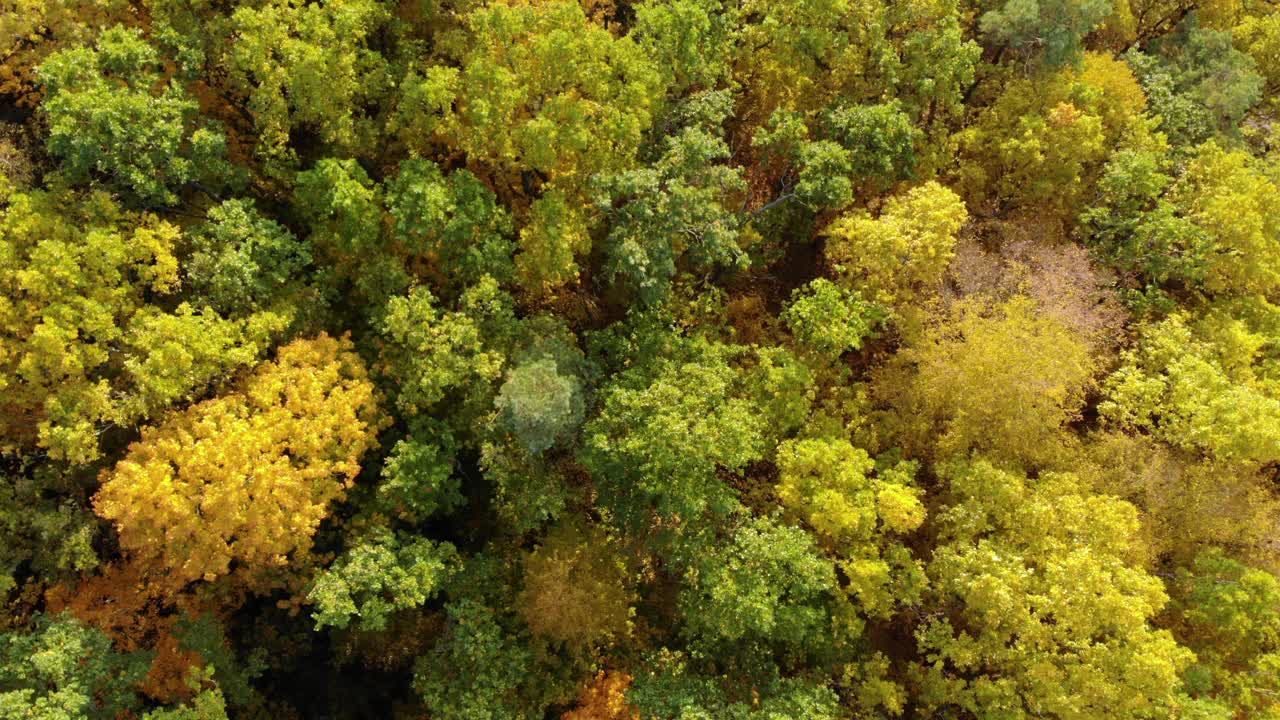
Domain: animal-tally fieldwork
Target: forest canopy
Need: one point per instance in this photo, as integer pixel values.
(640, 360)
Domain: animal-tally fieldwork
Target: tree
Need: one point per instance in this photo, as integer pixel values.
(380, 574)
(539, 405)
(1037, 613)
(675, 211)
(31, 30)
(63, 670)
(690, 41)
(245, 478)
(544, 90)
(1198, 83)
(418, 477)
(858, 517)
(829, 320)
(42, 531)
(436, 355)
(476, 672)
(343, 206)
(1227, 612)
(453, 221)
(1180, 386)
(1051, 30)
(242, 260)
(307, 66)
(1003, 380)
(657, 444)
(1137, 227)
(577, 590)
(670, 686)
(1237, 204)
(105, 121)
(898, 259)
(1039, 145)
(82, 348)
(769, 585)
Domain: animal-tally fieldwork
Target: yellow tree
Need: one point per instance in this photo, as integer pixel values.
(1005, 380)
(238, 484)
(898, 259)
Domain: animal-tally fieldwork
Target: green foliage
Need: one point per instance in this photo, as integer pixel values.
(206, 705)
(656, 443)
(768, 585)
(1198, 84)
(381, 574)
(107, 121)
(453, 221)
(539, 405)
(476, 672)
(307, 67)
(542, 89)
(418, 477)
(206, 636)
(690, 41)
(1052, 30)
(41, 530)
(677, 209)
(850, 147)
(1138, 229)
(1229, 613)
(830, 320)
(242, 260)
(881, 138)
(435, 355)
(63, 670)
(670, 690)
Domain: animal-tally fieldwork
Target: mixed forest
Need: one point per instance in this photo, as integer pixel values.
(655, 360)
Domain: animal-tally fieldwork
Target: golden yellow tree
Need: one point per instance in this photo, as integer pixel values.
(238, 484)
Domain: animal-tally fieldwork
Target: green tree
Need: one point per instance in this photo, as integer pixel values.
(1197, 82)
(829, 320)
(545, 90)
(63, 670)
(1050, 30)
(675, 211)
(382, 573)
(656, 444)
(106, 121)
(1229, 613)
(307, 66)
(769, 585)
(452, 221)
(242, 260)
(477, 671)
